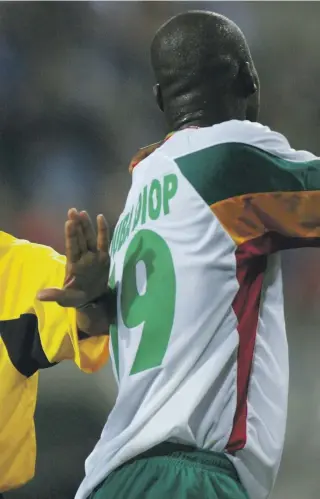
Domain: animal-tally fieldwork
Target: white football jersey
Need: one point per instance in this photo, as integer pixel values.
(200, 350)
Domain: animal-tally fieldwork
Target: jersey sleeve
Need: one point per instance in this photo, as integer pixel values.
(40, 334)
(264, 202)
(58, 333)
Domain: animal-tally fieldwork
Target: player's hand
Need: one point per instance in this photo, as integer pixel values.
(88, 262)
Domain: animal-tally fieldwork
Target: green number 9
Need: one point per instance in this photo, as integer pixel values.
(154, 306)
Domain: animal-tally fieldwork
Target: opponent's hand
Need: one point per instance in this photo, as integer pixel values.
(88, 262)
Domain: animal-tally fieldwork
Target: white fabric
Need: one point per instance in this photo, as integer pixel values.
(191, 397)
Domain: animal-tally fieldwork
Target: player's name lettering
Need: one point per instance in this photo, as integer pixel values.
(153, 202)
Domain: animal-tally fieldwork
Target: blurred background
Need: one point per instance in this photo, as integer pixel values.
(76, 103)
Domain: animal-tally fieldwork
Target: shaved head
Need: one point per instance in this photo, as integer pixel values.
(204, 70)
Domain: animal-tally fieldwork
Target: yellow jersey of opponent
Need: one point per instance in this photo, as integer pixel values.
(33, 335)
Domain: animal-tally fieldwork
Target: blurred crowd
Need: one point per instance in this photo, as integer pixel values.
(76, 103)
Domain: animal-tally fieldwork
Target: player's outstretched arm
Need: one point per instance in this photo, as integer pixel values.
(87, 271)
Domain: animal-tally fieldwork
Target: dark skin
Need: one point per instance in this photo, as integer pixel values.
(205, 75)
(87, 271)
(204, 71)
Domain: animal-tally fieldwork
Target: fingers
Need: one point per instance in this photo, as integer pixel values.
(73, 214)
(82, 243)
(88, 231)
(103, 235)
(75, 217)
(50, 294)
(73, 251)
(64, 297)
(80, 235)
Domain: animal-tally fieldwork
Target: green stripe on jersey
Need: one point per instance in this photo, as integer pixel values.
(228, 170)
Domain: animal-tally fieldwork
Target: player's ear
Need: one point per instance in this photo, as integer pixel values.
(253, 93)
(158, 95)
(248, 80)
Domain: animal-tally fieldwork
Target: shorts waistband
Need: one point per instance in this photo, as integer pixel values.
(193, 455)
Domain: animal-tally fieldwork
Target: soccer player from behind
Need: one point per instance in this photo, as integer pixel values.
(35, 335)
(199, 348)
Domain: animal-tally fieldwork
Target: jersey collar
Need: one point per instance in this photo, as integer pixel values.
(144, 152)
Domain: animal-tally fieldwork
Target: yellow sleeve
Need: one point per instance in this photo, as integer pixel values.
(57, 326)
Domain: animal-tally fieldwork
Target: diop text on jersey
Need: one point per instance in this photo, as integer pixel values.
(153, 202)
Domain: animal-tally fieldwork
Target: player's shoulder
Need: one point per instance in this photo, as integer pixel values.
(225, 159)
(231, 136)
(233, 158)
(29, 253)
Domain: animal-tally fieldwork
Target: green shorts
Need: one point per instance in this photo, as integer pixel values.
(172, 471)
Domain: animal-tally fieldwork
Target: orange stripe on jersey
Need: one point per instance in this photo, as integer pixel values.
(292, 214)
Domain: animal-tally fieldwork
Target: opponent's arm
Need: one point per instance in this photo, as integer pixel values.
(57, 335)
(85, 287)
(38, 334)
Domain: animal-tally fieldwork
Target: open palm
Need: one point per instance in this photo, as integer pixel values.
(88, 262)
